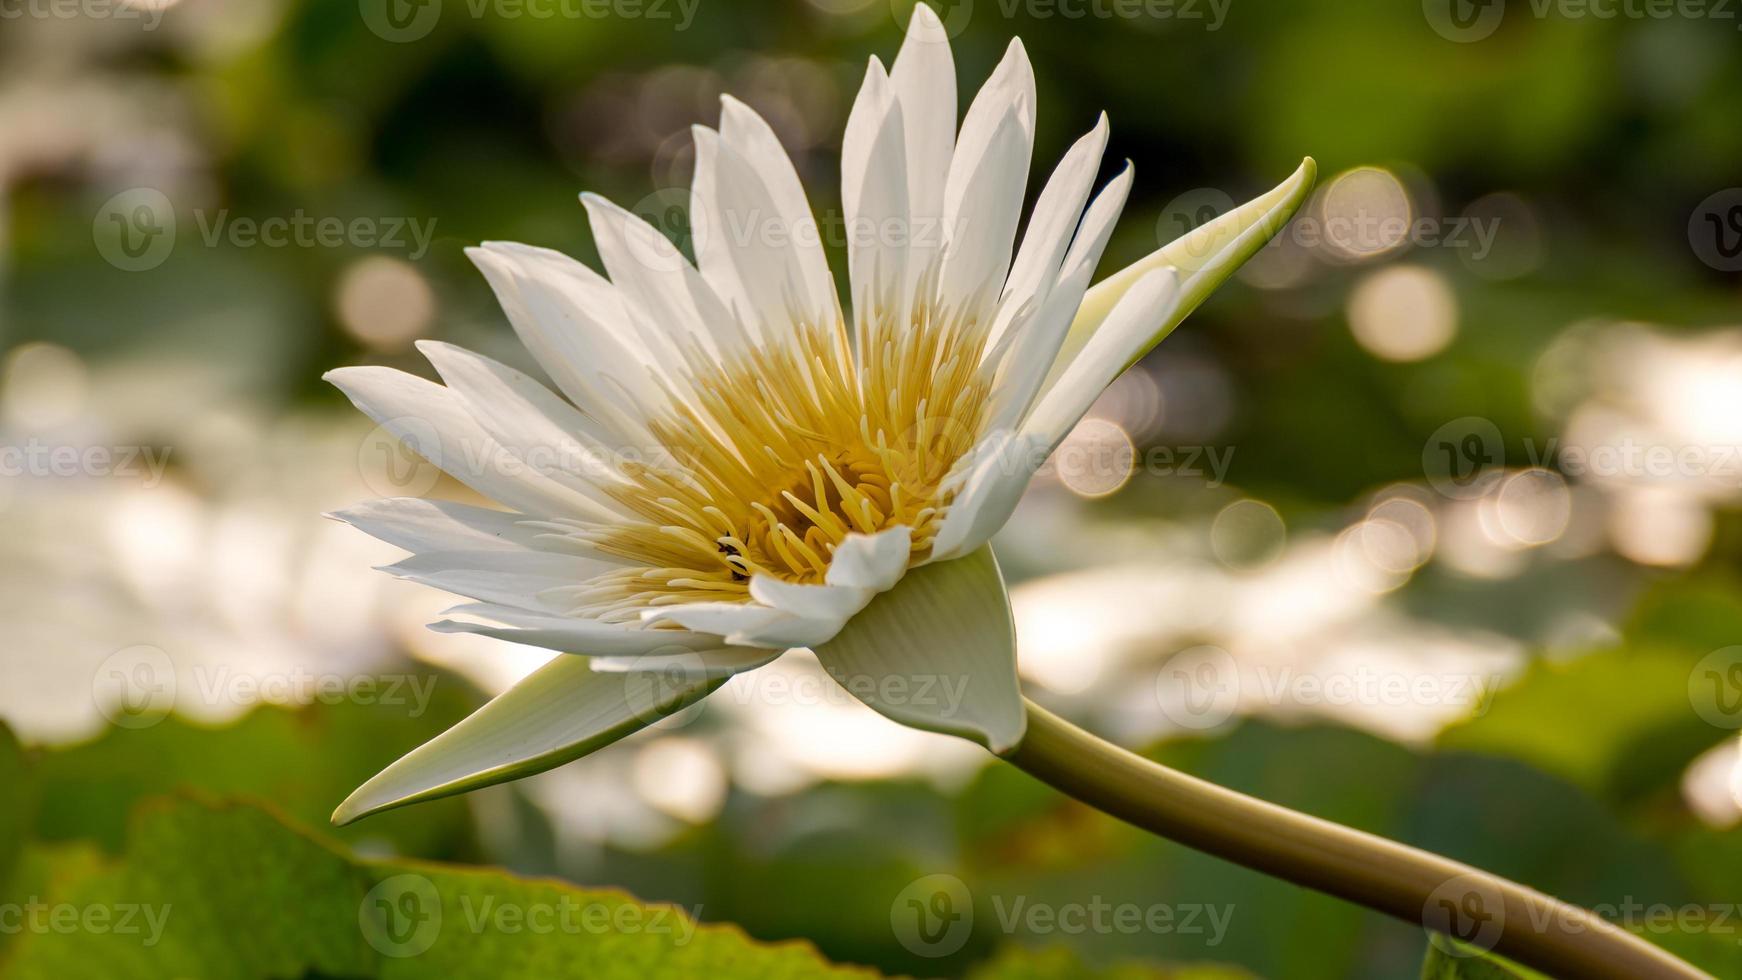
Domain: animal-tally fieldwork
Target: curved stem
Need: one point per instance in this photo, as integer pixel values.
(1412, 885)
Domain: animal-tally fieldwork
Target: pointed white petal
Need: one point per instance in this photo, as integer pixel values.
(508, 577)
(980, 225)
(864, 121)
(759, 242)
(713, 257)
(664, 294)
(563, 711)
(1034, 346)
(747, 133)
(874, 192)
(540, 429)
(570, 634)
(1152, 301)
(1056, 214)
(945, 633)
(417, 524)
(578, 330)
(1010, 90)
(1097, 225)
(924, 79)
(996, 476)
(988, 178)
(430, 421)
(1204, 257)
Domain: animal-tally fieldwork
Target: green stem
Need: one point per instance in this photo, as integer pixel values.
(1412, 885)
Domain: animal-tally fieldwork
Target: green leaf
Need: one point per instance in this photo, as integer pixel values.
(230, 891)
(1059, 963)
(303, 759)
(214, 893)
(43, 870)
(937, 652)
(1451, 960)
(562, 711)
(1617, 722)
(16, 807)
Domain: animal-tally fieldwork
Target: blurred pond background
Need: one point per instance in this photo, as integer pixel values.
(1427, 522)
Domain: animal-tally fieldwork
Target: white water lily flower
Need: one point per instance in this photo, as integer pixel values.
(736, 467)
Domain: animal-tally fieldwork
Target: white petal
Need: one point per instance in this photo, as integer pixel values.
(924, 79)
(1056, 214)
(1204, 257)
(539, 428)
(999, 470)
(417, 524)
(1010, 89)
(713, 257)
(874, 193)
(981, 225)
(723, 662)
(429, 419)
(1097, 226)
(664, 294)
(825, 606)
(787, 614)
(946, 633)
(760, 246)
(997, 473)
(507, 577)
(578, 330)
(572, 635)
(871, 561)
(1151, 302)
(864, 121)
(1034, 343)
(745, 623)
(988, 177)
(561, 712)
(747, 133)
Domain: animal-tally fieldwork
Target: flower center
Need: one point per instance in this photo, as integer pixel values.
(795, 530)
(768, 461)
